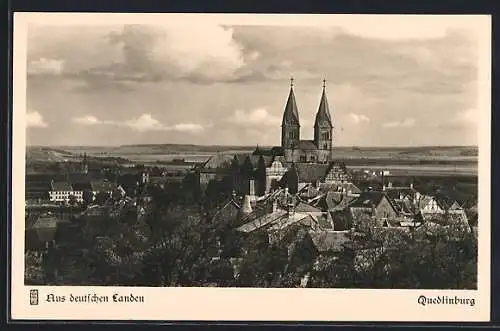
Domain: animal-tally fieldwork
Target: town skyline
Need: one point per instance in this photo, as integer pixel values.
(148, 84)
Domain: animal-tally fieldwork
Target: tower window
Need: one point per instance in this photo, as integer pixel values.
(325, 146)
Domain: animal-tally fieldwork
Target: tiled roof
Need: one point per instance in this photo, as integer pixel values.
(103, 186)
(262, 221)
(331, 241)
(403, 206)
(367, 199)
(347, 187)
(336, 201)
(231, 204)
(444, 202)
(45, 227)
(307, 145)
(81, 186)
(61, 186)
(219, 160)
(310, 172)
(306, 208)
(308, 192)
(395, 193)
(287, 220)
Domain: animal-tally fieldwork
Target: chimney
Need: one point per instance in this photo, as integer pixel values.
(246, 208)
(291, 209)
(317, 183)
(389, 184)
(411, 185)
(275, 206)
(252, 188)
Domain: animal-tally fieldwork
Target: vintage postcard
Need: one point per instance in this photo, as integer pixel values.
(251, 167)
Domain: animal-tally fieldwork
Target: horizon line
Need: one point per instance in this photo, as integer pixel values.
(248, 146)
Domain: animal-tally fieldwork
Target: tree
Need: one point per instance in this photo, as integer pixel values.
(88, 197)
(102, 197)
(34, 273)
(72, 200)
(116, 194)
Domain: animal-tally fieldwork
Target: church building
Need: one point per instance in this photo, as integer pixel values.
(294, 149)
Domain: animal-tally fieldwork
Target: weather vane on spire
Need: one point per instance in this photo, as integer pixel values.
(324, 83)
(291, 81)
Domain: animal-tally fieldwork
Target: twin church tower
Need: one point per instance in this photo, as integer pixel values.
(319, 149)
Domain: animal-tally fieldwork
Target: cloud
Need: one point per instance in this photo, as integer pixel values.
(358, 118)
(259, 116)
(467, 119)
(35, 120)
(189, 127)
(46, 66)
(409, 122)
(143, 123)
(87, 120)
(199, 52)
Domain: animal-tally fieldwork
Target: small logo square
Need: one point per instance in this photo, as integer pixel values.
(33, 297)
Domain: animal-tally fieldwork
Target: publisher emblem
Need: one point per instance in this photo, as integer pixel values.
(33, 297)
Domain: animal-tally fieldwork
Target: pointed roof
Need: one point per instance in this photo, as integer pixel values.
(323, 114)
(291, 114)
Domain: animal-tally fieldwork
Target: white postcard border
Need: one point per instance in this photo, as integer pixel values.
(232, 304)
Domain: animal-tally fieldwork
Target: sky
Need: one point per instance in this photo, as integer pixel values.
(401, 82)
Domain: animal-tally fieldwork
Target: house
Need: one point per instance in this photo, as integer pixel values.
(375, 205)
(300, 175)
(436, 204)
(62, 191)
(335, 201)
(274, 173)
(330, 243)
(41, 236)
(37, 187)
(338, 174)
(104, 186)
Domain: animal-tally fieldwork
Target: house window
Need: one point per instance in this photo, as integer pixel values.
(303, 158)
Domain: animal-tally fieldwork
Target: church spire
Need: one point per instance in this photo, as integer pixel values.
(323, 114)
(291, 114)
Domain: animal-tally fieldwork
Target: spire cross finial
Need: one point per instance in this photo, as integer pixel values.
(324, 83)
(291, 81)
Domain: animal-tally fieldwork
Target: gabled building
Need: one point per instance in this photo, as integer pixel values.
(63, 191)
(295, 149)
(374, 205)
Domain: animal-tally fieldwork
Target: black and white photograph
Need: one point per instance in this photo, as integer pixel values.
(251, 152)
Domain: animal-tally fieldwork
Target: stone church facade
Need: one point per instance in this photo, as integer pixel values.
(294, 149)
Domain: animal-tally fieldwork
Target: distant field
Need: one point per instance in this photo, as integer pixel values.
(422, 159)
